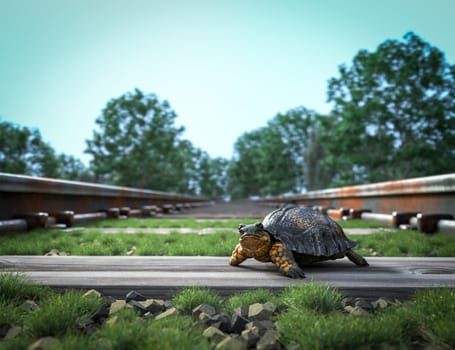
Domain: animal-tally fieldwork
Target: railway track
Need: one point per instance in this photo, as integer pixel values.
(26, 203)
(427, 204)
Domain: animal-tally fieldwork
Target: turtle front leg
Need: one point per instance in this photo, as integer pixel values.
(238, 256)
(284, 260)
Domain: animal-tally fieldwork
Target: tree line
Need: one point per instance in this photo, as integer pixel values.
(393, 117)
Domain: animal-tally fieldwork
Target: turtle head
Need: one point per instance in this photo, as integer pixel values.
(254, 239)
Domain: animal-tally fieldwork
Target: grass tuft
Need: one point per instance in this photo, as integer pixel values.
(92, 241)
(312, 296)
(405, 243)
(187, 299)
(311, 330)
(248, 298)
(17, 289)
(63, 314)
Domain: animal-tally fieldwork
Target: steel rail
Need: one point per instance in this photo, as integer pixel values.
(433, 194)
(21, 195)
(428, 199)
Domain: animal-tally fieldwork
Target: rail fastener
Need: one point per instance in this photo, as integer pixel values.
(14, 225)
(447, 226)
(428, 223)
(356, 213)
(34, 220)
(338, 214)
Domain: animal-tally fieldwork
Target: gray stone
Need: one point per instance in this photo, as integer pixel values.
(267, 324)
(231, 343)
(116, 306)
(44, 343)
(213, 334)
(30, 305)
(170, 312)
(133, 295)
(250, 337)
(270, 306)
(242, 311)
(204, 318)
(92, 293)
(238, 323)
(220, 321)
(109, 300)
(381, 303)
(269, 341)
(138, 306)
(13, 332)
(364, 304)
(52, 252)
(356, 311)
(206, 308)
(153, 306)
(260, 311)
(102, 313)
(256, 327)
(348, 301)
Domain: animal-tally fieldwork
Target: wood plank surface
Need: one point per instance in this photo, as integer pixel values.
(161, 277)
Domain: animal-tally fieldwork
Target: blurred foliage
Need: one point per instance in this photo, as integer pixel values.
(284, 156)
(393, 116)
(23, 151)
(137, 144)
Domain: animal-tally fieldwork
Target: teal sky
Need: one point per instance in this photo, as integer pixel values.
(226, 67)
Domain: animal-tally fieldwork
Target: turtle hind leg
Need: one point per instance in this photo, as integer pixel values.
(356, 258)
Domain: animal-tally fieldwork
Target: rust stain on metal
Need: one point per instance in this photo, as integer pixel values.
(428, 194)
(25, 194)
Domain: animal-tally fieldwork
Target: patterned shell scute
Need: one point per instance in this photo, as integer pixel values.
(307, 231)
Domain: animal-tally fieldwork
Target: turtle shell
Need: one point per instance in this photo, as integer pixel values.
(307, 231)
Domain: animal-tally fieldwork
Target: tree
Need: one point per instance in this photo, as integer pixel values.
(138, 145)
(23, 151)
(300, 131)
(71, 168)
(284, 156)
(394, 114)
(212, 176)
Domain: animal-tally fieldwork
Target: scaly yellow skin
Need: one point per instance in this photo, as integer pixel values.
(261, 248)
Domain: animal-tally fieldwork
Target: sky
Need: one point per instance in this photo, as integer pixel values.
(225, 67)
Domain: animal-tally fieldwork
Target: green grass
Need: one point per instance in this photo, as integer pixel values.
(405, 243)
(170, 223)
(187, 299)
(15, 290)
(90, 242)
(428, 318)
(314, 296)
(360, 224)
(129, 332)
(63, 316)
(248, 298)
(93, 241)
(310, 317)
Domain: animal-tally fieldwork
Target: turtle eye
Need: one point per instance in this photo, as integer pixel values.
(260, 226)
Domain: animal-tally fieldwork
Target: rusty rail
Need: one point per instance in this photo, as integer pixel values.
(35, 200)
(423, 201)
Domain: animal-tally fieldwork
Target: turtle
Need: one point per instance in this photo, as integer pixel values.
(293, 236)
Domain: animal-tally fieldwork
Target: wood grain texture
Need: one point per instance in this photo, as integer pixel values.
(161, 277)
